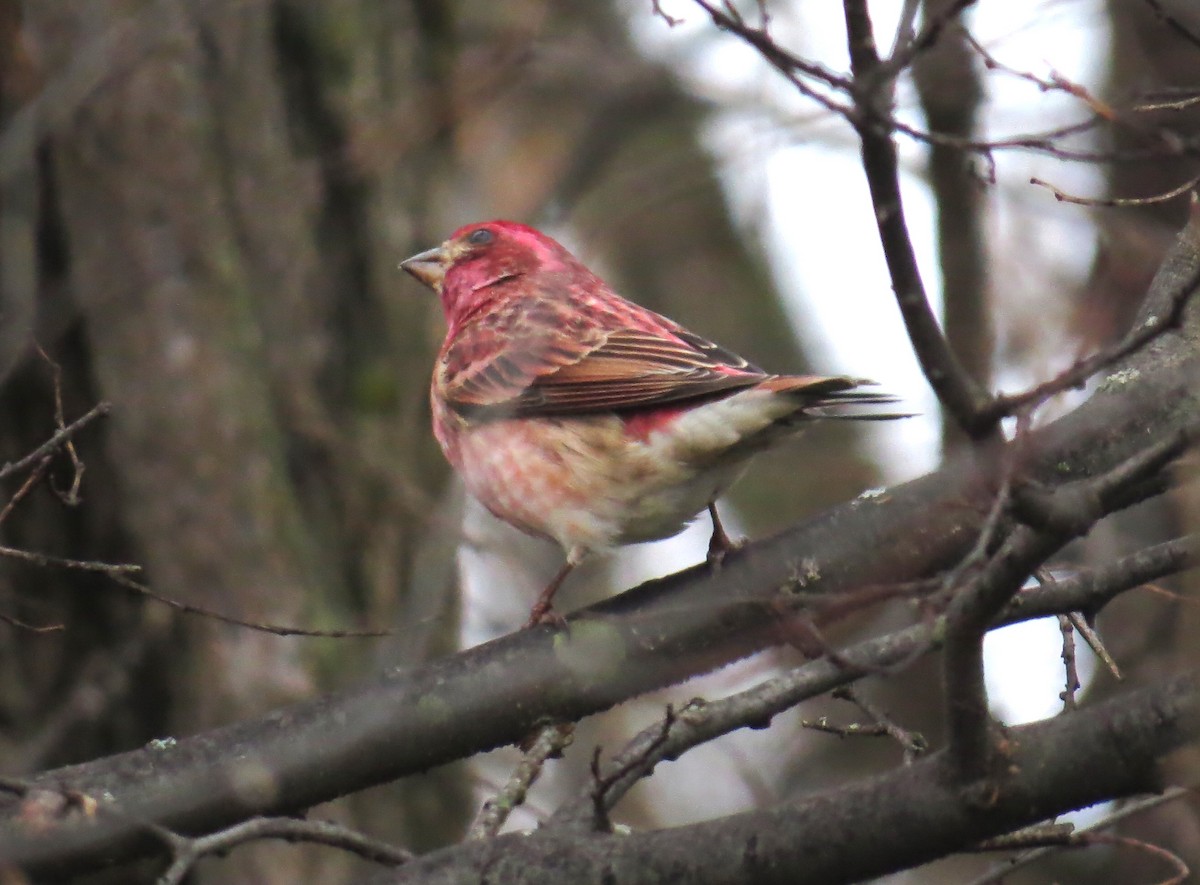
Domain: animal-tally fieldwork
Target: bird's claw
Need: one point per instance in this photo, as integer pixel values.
(719, 549)
(544, 613)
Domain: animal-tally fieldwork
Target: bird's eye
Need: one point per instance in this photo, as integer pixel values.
(481, 237)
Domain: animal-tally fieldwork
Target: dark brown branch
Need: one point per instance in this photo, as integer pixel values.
(1091, 590)
(905, 817)
(702, 721)
(968, 719)
(1066, 513)
(958, 394)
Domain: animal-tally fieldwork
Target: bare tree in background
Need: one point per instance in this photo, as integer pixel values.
(201, 208)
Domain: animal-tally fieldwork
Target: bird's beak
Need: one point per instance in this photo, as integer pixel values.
(429, 267)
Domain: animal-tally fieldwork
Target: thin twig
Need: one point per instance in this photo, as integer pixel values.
(31, 480)
(1095, 643)
(54, 442)
(274, 629)
(119, 574)
(1001, 872)
(1067, 695)
(656, 9)
(47, 560)
(1037, 836)
(71, 496)
(186, 851)
(32, 628)
(1135, 339)
(1118, 202)
(1056, 82)
(913, 743)
(548, 744)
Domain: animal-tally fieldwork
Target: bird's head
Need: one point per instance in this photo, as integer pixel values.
(478, 257)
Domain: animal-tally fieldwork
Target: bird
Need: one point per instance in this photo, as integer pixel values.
(586, 419)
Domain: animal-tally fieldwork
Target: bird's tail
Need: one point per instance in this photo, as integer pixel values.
(838, 397)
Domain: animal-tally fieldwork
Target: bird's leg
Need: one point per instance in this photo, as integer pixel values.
(543, 610)
(720, 543)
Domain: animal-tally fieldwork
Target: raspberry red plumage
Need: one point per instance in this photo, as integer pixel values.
(584, 418)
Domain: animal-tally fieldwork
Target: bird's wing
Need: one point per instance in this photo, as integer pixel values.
(598, 370)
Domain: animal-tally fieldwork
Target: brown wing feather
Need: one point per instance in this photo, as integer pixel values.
(609, 371)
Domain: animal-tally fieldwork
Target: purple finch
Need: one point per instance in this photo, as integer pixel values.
(580, 417)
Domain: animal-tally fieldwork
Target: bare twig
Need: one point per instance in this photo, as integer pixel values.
(60, 436)
(119, 574)
(1067, 695)
(1112, 202)
(656, 8)
(34, 477)
(548, 744)
(47, 560)
(913, 743)
(1002, 871)
(71, 496)
(186, 851)
(274, 629)
(1039, 835)
(1095, 643)
(1055, 83)
(32, 628)
(1162, 103)
(1134, 340)
(1170, 857)
(905, 29)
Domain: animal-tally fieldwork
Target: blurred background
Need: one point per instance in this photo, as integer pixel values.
(202, 206)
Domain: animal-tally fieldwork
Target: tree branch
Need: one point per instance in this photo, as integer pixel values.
(872, 92)
(905, 817)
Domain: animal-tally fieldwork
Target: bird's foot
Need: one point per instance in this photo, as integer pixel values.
(543, 610)
(544, 613)
(720, 544)
(717, 551)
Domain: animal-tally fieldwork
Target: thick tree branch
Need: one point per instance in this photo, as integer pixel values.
(971, 614)
(905, 817)
(698, 723)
